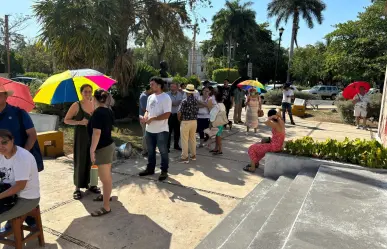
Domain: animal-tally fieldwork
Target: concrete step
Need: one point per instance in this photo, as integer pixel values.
(345, 208)
(220, 233)
(274, 232)
(244, 233)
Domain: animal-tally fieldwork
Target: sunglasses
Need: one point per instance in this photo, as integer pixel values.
(4, 142)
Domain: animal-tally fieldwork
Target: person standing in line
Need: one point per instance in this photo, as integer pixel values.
(361, 101)
(182, 87)
(225, 90)
(156, 117)
(188, 115)
(79, 115)
(203, 115)
(142, 108)
(237, 100)
(102, 147)
(287, 97)
(218, 119)
(253, 106)
(173, 121)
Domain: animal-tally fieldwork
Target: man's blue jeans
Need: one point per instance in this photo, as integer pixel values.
(287, 107)
(161, 141)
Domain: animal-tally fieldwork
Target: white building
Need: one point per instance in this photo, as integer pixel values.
(197, 64)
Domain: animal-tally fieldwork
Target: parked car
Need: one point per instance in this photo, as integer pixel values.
(25, 80)
(271, 88)
(324, 91)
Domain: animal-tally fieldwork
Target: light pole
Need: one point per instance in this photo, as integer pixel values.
(281, 31)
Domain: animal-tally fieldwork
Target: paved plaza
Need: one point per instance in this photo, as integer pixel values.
(177, 213)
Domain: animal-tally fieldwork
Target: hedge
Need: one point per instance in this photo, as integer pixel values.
(180, 79)
(219, 75)
(38, 75)
(367, 153)
(346, 107)
(274, 97)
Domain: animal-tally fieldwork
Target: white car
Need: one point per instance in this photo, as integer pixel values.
(324, 91)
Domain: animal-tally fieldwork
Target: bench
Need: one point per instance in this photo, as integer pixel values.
(18, 230)
(49, 138)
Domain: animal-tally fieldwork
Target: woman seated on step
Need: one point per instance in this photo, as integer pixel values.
(18, 168)
(275, 143)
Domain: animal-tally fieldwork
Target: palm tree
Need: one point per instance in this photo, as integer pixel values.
(232, 22)
(285, 9)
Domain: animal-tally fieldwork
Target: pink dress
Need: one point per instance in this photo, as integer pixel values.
(252, 113)
(257, 151)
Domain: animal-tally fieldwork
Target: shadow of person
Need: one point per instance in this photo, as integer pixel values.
(186, 194)
(118, 229)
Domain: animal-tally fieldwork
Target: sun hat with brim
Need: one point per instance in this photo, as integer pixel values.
(190, 89)
(3, 90)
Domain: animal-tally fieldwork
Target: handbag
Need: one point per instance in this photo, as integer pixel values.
(261, 113)
(8, 202)
(220, 119)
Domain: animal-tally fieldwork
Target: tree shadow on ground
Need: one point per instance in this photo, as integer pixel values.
(118, 229)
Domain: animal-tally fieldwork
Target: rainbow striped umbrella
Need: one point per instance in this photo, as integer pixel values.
(65, 87)
(247, 84)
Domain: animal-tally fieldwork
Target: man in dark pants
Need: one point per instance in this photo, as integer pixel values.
(226, 96)
(173, 121)
(158, 110)
(287, 98)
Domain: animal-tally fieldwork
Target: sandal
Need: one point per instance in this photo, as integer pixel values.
(100, 198)
(217, 153)
(247, 168)
(77, 195)
(94, 189)
(100, 212)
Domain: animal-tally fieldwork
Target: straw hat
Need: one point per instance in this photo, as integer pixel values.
(190, 89)
(3, 90)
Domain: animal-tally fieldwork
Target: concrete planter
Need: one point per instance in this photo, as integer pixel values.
(278, 164)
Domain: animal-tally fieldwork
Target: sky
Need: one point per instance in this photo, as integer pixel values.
(337, 11)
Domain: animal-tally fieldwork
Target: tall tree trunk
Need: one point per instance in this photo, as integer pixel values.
(291, 52)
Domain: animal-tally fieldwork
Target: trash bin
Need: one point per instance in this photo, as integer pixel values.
(298, 108)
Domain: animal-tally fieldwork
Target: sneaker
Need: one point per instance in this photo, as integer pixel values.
(193, 158)
(146, 173)
(358, 127)
(6, 228)
(163, 176)
(184, 160)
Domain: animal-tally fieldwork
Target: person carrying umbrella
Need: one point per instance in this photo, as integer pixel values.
(361, 101)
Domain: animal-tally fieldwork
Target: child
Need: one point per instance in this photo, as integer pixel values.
(218, 119)
(258, 151)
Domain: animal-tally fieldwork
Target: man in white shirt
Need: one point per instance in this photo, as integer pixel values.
(156, 117)
(18, 166)
(287, 97)
(361, 101)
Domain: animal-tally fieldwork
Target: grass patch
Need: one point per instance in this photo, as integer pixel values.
(123, 133)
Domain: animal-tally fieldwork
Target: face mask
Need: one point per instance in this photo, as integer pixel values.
(253, 93)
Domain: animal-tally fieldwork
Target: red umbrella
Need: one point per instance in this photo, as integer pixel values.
(21, 94)
(354, 88)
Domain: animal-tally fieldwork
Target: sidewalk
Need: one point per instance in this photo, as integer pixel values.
(175, 214)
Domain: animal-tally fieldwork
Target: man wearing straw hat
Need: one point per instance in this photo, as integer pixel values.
(188, 115)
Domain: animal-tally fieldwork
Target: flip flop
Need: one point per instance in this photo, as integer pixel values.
(94, 189)
(77, 195)
(100, 198)
(247, 168)
(100, 212)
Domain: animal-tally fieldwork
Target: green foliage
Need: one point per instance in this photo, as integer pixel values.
(34, 86)
(274, 97)
(346, 108)
(193, 79)
(361, 152)
(225, 73)
(143, 74)
(37, 75)
(180, 79)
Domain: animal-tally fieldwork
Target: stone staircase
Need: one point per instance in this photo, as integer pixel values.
(326, 208)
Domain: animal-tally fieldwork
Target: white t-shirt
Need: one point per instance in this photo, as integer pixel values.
(364, 100)
(203, 111)
(286, 96)
(158, 105)
(21, 167)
